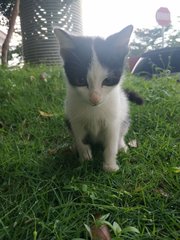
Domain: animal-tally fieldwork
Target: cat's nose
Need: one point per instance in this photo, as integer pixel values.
(94, 98)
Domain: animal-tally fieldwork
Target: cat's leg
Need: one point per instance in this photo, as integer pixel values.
(83, 149)
(123, 130)
(111, 149)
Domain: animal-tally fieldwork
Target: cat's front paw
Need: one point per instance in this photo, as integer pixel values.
(110, 167)
(85, 153)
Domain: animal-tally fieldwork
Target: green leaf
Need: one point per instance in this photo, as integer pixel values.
(88, 230)
(175, 169)
(102, 220)
(131, 230)
(117, 229)
(104, 217)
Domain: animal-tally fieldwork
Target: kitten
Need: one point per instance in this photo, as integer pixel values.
(96, 106)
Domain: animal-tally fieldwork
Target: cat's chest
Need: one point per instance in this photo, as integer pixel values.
(92, 119)
(94, 124)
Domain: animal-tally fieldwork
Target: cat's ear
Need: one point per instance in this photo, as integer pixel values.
(65, 39)
(120, 39)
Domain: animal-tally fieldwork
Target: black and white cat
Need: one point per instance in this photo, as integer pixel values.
(96, 105)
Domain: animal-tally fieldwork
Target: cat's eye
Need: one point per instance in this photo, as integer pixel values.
(110, 81)
(82, 82)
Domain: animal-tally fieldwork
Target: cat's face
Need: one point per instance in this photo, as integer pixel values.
(94, 65)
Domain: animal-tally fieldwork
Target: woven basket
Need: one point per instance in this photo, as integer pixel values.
(37, 20)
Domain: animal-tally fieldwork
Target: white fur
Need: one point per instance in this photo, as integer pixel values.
(102, 119)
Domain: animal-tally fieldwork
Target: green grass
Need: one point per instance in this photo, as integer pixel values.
(46, 194)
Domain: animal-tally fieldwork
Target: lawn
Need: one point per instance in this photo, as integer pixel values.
(46, 194)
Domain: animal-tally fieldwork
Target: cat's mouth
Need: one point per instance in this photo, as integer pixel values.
(95, 98)
(96, 105)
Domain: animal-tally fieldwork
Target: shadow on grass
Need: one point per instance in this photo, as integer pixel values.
(65, 162)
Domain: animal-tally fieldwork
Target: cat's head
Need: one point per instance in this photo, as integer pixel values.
(94, 65)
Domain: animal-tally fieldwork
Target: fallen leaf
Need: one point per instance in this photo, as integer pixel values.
(52, 151)
(133, 143)
(32, 78)
(43, 76)
(63, 150)
(162, 192)
(45, 114)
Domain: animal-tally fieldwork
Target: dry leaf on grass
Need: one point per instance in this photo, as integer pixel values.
(133, 143)
(32, 78)
(162, 192)
(64, 151)
(52, 151)
(45, 114)
(43, 76)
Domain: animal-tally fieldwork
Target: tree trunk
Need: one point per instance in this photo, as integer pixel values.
(12, 20)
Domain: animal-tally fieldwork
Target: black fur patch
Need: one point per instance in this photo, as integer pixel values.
(111, 58)
(77, 61)
(134, 97)
(109, 55)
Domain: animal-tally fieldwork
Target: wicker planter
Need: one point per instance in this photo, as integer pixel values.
(37, 19)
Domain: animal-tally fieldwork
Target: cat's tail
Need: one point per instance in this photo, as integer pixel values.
(134, 97)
